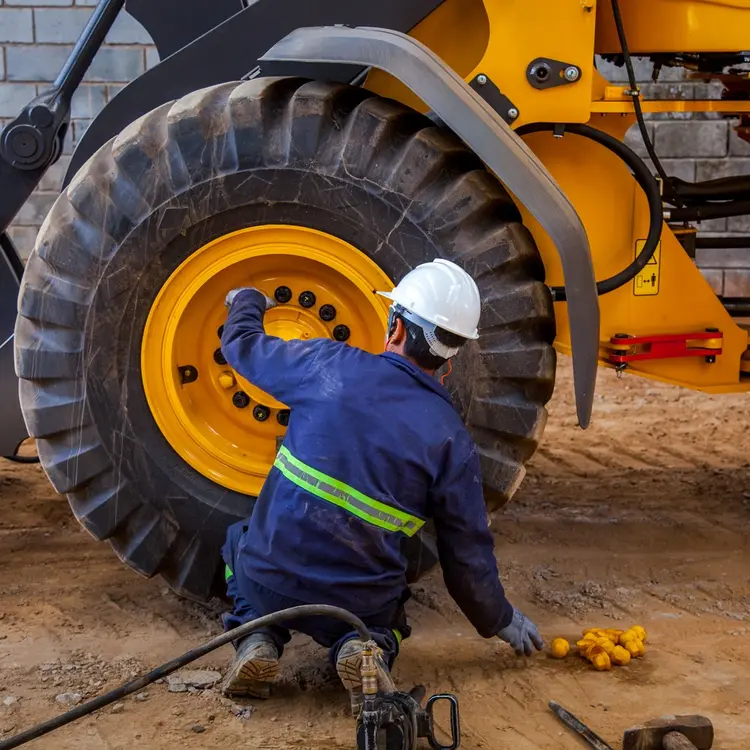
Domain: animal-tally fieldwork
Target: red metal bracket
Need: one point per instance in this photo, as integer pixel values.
(623, 348)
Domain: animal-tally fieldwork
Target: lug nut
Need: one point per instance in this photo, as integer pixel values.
(220, 331)
(283, 294)
(307, 299)
(327, 313)
(341, 333)
(241, 400)
(283, 417)
(261, 413)
(226, 380)
(219, 357)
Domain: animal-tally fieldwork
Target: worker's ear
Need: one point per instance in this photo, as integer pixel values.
(397, 339)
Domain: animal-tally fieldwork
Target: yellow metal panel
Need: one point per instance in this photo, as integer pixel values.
(458, 32)
(519, 33)
(676, 26)
(615, 213)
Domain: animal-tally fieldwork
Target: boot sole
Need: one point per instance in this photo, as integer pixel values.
(349, 671)
(252, 679)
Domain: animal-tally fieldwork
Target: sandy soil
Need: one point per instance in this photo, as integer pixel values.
(644, 518)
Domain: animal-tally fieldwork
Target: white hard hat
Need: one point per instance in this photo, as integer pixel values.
(443, 294)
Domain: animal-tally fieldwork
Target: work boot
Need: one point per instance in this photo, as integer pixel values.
(349, 668)
(255, 667)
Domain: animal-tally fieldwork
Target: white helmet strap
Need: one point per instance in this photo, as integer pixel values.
(437, 347)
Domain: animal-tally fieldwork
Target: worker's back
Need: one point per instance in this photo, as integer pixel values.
(368, 439)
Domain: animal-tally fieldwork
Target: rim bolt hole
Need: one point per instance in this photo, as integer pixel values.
(241, 400)
(307, 299)
(341, 333)
(220, 331)
(219, 357)
(283, 417)
(327, 313)
(261, 413)
(283, 294)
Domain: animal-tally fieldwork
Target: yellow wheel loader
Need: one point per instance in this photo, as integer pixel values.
(320, 150)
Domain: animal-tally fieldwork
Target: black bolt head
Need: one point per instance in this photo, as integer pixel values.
(307, 299)
(261, 413)
(341, 333)
(283, 417)
(327, 313)
(283, 294)
(219, 357)
(241, 400)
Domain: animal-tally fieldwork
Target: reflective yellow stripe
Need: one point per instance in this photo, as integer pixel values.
(346, 497)
(398, 635)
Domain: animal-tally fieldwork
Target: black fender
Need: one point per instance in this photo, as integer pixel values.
(503, 152)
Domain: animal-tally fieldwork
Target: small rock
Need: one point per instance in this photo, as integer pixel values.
(274, 718)
(69, 699)
(117, 708)
(142, 697)
(309, 724)
(198, 729)
(212, 717)
(198, 679)
(10, 700)
(177, 712)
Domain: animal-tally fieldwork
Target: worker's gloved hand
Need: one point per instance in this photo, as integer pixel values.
(522, 635)
(230, 297)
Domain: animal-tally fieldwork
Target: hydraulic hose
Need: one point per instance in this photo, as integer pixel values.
(644, 178)
(634, 91)
(308, 610)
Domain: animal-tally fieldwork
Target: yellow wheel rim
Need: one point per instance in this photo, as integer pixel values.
(193, 395)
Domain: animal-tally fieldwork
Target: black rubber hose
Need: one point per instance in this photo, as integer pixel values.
(644, 178)
(710, 211)
(308, 610)
(634, 91)
(23, 459)
(723, 189)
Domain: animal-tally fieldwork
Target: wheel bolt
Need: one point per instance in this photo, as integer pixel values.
(219, 357)
(307, 299)
(220, 331)
(327, 313)
(241, 400)
(341, 333)
(283, 294)
(283, 417)
(261, 413)
(226, 380)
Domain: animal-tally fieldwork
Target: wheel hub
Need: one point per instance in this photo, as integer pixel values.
(222, 425)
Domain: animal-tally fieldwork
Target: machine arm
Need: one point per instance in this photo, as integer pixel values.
(33, 141)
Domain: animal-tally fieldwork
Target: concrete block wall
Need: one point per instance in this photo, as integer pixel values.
(36, 35)
(35, 39)
(696, 147)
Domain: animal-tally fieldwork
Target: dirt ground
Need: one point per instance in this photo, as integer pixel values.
(642, 519)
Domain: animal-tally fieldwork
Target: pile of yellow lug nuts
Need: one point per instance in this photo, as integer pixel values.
(605, 647)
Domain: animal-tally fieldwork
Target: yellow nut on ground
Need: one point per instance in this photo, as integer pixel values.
(560, 648)
(635, 647)
(620, 656)
(602, 662)
(614, 634)
(640, 632)
(606, 644)
(628, 635)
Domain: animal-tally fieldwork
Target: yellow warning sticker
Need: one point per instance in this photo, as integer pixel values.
(646, 283)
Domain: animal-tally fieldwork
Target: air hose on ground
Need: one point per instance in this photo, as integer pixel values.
(309, 610)
(644, 178)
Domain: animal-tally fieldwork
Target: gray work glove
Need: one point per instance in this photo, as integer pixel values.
(230, 297)
(521, 635)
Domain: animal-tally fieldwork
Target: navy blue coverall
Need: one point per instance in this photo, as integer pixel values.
(374, 448)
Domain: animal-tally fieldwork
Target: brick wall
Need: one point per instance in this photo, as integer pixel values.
(36, 35)
(35, 38)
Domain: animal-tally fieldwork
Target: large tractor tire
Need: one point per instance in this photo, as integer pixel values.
(293, 186)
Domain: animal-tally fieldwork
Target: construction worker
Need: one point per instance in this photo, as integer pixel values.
(374, 448)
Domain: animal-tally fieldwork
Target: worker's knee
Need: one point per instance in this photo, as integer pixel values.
(229, 551)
